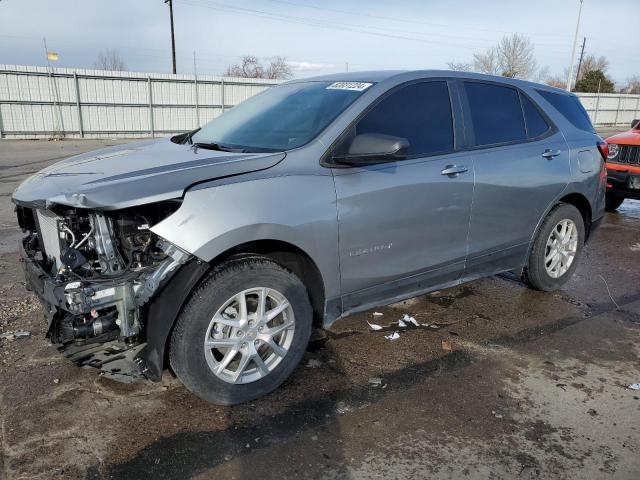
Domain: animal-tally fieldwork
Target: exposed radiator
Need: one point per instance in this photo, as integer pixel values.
(50, 235)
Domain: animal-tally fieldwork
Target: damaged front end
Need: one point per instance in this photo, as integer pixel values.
(96, 274)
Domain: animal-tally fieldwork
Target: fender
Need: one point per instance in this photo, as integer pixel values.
(297, 209)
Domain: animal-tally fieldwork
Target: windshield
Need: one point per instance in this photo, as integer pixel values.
(281, 118)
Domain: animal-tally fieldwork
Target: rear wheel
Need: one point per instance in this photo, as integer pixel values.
(612, 202)
(242, 333)
(556, 249)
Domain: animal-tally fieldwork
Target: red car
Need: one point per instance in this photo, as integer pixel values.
(623, 167)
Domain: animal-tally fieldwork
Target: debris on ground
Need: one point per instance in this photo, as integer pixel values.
(401, 323)
(375, 381)
(393, 336)
(447, 345)
(342, 408)
(635, 247)
(15, 335)
(314, 363)
(410, 319)
(373, 326)
(56, 380)
(634, 386)
(377, 314)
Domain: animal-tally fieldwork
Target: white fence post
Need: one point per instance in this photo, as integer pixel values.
(78, 108)
(222, 93)
(615, 122)
(151, 129)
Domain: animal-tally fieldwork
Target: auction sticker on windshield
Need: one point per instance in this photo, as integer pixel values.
(355, 86)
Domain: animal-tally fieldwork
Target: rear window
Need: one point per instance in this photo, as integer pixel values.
(496, 114)
(570, 108)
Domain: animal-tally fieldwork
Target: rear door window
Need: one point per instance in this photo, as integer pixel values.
(570, 108)
(496, 114)
(536, 124)
(419, 112)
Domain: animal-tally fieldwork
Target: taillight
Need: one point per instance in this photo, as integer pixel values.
(604, 150)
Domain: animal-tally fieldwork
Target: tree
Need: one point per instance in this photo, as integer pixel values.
(460, 66)
(632, 86)
(487, 62)
(110, 60)
(594, 81)
(513, 57)
(591, 63)
(556, 81)
(250, 67)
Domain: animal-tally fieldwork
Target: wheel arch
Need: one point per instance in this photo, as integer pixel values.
(165, 308)
(581, 202)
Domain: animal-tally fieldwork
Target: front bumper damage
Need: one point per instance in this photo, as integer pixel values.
(118, 353)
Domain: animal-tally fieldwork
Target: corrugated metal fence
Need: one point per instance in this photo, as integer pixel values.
(611, 108)
(41, 102)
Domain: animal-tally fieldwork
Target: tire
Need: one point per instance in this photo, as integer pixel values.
(612, 202)
(535, 273)
(196, 366)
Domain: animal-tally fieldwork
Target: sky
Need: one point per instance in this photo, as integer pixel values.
(315, 36)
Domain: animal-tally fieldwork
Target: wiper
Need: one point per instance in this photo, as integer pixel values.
(215, 146)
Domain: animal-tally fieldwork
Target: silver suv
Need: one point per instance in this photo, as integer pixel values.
(217, 251)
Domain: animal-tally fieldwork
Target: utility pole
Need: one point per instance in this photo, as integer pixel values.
(584, 41)
(173, 38)
(573, 50)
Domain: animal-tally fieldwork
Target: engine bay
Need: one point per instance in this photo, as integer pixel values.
(103, 267)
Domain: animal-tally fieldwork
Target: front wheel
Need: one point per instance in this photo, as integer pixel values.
(243, 331)
(556, 249)
(612, 202)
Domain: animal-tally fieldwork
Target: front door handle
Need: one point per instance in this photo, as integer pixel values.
(454, 170)
(549, 154)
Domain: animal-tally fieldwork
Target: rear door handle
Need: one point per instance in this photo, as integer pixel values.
(454, 170)
(549, 154)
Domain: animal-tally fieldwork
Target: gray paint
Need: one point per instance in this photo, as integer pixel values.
(133, 174)
(376, 233)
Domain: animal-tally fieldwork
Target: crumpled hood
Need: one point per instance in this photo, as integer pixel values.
(134, 174)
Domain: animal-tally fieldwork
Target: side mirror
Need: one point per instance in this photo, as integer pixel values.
(635, 123)
(372, 148)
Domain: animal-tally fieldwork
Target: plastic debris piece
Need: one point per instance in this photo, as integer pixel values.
(375, 381)
(377, 314)
(401, 324)
(313, 363)
(373, 326)
(410, 319)
(393, 336)
(447, 346)
(14, 335)
(634, 386)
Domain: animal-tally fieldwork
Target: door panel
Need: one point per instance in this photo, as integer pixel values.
(401, 220)
(514, 187)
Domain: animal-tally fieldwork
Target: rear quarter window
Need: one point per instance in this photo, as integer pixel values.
(570, 108)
